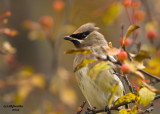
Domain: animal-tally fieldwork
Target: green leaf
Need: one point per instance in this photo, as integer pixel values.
(112, 13)
(146, 96)
(130, 30)
(114, 89)
(93, 73)
(78, 51)
(84, 63)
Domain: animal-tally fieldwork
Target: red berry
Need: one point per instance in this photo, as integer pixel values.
(58, 5)
(8, 13)
(151, 34)
(140, 15)
(135, 4)
(125, 69)
(122, 55)
(127, 2)
(126, 42)
(46, 21)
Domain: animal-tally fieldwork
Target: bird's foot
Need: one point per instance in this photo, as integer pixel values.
(91, 110)
(107, 110)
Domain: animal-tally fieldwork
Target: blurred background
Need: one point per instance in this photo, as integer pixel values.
(35, 72)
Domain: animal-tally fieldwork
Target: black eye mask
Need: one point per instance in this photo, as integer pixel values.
(80, 36)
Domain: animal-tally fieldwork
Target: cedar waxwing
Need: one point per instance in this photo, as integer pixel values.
(97, 91)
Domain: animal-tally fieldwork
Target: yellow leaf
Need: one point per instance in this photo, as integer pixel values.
(38, 81)
(136, 78)
(131, 66)
(139, 65)
(26, 72)
(78, 51)
(146, 96)
(84, 63)
(142, 55)
(113, 51)
(125, 111)
(22, 93)
(151, 25)
(68, 96)
(154, 66)
(114, 89)
(93, 73)
(134, 110)
(112, 13)
(138, 74)
(130, 30)
(151, 88)
(128, 98)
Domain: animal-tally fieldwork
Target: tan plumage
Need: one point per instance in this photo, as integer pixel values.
(98, 91)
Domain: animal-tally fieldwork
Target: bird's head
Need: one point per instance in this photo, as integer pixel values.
(86, 36)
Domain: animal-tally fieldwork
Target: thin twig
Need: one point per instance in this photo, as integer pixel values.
(149, 109)
(157, 97)
(128, 15)
(128, 83)
(150, 75)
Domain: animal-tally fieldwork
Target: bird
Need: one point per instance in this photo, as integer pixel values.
(98, 91)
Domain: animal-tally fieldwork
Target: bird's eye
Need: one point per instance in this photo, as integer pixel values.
(84, 35)
(80, 36)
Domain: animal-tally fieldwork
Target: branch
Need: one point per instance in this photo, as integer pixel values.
(150, 75)
(128, 83)
(157, 97)
(106, 109)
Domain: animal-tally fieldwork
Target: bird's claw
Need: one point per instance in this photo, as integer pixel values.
(107, 110)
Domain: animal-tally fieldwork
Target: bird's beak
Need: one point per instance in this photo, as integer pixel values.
(67, 38)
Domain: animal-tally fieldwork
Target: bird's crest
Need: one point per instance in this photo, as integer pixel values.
(86, 27)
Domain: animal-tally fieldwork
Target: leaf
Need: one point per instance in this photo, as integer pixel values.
(128, 98)
(38, 81)
(146, 96)
(139, 65)
(78, 51)
(94, 72)
(84, 63)
(113, 51)
(114, 89)
(68, 96)
(142, 55)
(150, 25)
(8, 48)
(136, 78)
(134, 110)
(153, 64)
(22, 93)
(130, 65)
(139, 75)
(130, 30)
(112, 13)
(151, 88)
(26, 72)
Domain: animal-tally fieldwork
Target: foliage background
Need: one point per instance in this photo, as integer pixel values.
(41, 54)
